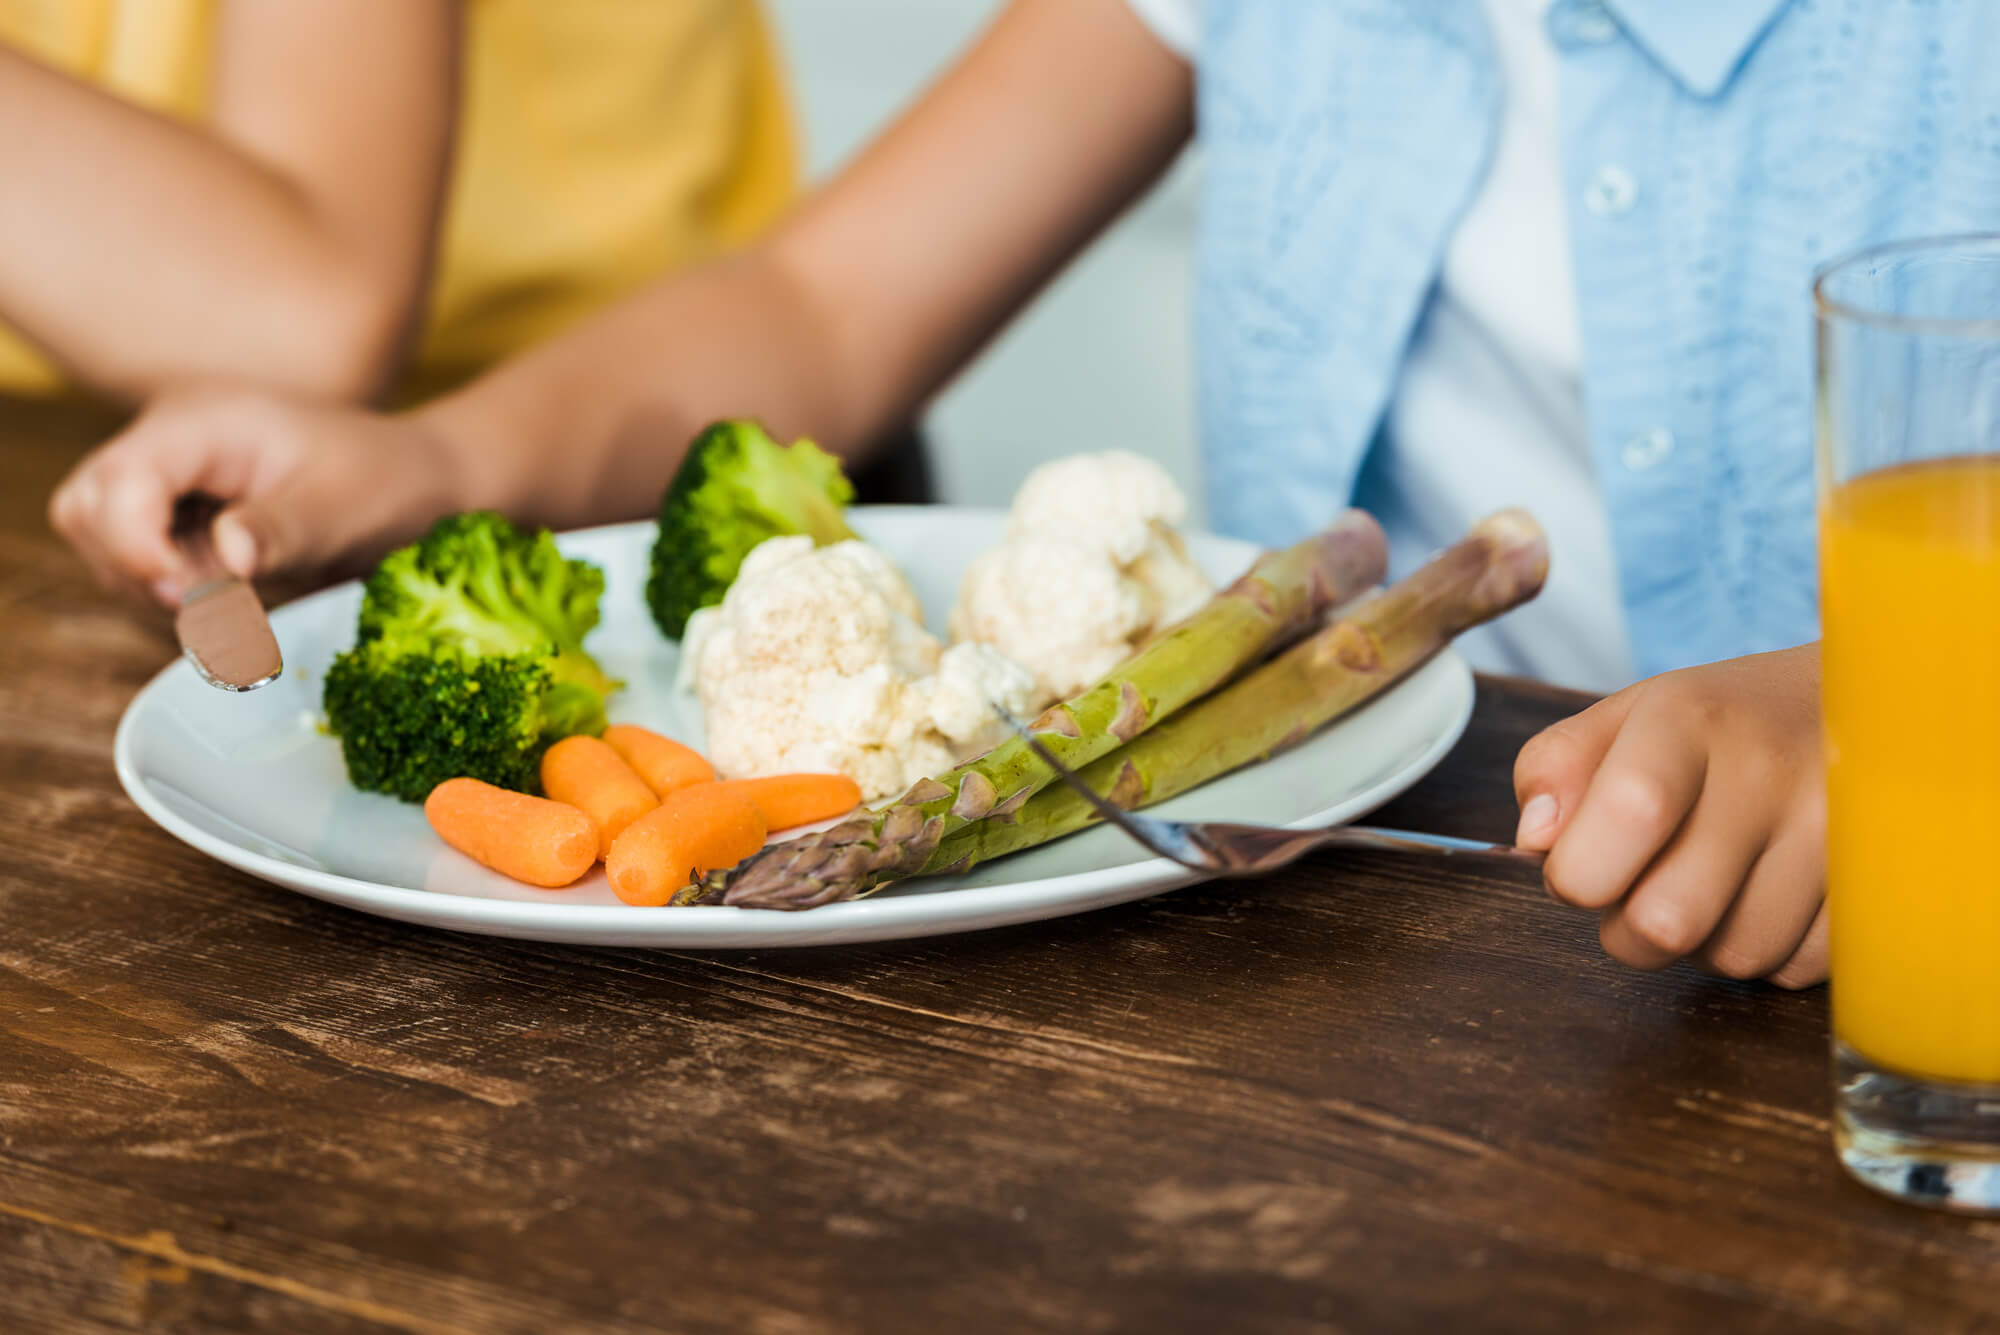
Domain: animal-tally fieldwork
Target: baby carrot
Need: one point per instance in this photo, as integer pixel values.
(531, 839)
(590, 776)
(799, 799)
(694, 831)
(661, 761)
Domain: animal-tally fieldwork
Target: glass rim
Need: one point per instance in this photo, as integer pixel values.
(1827, 306)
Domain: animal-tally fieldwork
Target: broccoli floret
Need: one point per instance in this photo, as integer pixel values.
(469, 661)
(736, 488)
(409, 721)
(478, 584)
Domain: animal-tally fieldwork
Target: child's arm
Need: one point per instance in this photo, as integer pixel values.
(1690, 812)
(282, 241)
(871, 296)
(839, 325)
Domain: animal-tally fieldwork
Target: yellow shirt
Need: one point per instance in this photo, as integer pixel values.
(600, 143)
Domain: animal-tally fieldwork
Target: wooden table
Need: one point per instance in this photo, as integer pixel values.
(1370, 1094)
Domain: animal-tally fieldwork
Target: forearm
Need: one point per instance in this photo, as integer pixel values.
(849, 317)
(140, 252)
(588, 427)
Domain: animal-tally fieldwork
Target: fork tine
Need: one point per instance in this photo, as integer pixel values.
(1167, 839)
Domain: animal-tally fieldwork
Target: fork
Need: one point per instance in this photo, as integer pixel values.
(1227, 848)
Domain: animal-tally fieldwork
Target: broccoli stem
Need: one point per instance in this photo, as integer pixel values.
(1282, 596)
(817, 514)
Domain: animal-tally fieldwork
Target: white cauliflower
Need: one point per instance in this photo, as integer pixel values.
(818, 660)
(1091, 569)
(1112, 499)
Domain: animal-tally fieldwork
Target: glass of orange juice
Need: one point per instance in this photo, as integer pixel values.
(1909, 469)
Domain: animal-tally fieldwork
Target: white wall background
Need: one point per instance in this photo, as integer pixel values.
(1102, 360)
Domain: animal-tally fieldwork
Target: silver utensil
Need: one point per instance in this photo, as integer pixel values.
(221, 625)
(1227, 848)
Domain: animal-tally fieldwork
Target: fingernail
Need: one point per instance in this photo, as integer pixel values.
(169, 588)
(1538, 819)
(234, 546)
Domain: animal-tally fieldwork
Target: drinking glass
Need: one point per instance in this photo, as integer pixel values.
(1909, 480)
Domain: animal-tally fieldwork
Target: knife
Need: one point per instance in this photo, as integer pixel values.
(221, 625)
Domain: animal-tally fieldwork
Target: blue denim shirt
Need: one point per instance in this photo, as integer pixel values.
(1715, 153)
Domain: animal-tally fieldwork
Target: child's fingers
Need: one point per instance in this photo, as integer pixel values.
(321, 485)
(1809, 964)
(272, 532)
(1682, 897)
(135, 529)
(360, 486)
(301, 486)
(1554, 768)
(1769, 922)
(117, 508)
(231, 447)
(116, 516)
(1647, 784)
(73, 514)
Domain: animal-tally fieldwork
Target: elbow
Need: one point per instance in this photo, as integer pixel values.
(350, 338)
(339, 335)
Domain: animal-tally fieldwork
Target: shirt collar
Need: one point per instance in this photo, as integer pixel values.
(1702, 43)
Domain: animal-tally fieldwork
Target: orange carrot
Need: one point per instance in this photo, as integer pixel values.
(661, 761)
(531, 839)
(694, 831)
(799, 799)
(589, 775)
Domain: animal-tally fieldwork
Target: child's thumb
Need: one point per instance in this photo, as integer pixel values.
(314, 519)
(259, 537)
(1554, 769)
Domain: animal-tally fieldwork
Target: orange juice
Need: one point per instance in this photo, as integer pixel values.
(1910, 595)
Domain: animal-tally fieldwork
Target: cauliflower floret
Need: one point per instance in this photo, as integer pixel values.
(1177, 585)
(1057, 605)
(1112, 499)
(970, 680)
(1091, 569)
(817, 660)
(699, 623)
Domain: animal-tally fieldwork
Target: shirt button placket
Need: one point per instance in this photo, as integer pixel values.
(1611, 191)
(1647, 450)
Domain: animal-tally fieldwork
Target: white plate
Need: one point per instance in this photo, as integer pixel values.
(250, 780)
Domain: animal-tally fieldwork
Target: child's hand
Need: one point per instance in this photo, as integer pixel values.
(304, 487)
(1690, 811)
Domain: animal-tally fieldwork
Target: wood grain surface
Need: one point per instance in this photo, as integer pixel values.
(1371, 1094)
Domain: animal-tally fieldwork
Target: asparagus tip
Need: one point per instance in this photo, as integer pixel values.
(1520, 559)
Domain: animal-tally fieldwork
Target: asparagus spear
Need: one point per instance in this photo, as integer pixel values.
(1500, 565)
(1281, 597)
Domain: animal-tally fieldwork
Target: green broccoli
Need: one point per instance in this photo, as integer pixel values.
(736, 488)
(478, 584)
(469, 660)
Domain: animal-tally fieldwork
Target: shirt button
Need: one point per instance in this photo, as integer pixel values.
(1589, 23)
(1611, 191)
(1647, 449)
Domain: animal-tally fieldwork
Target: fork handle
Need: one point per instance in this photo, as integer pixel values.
(1410, 841)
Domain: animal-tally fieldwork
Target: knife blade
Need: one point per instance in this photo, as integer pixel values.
(221, 625)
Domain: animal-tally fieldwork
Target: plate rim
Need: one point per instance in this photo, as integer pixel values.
(937, 913)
